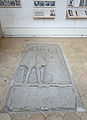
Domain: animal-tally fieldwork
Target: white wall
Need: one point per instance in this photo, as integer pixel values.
(20, 22)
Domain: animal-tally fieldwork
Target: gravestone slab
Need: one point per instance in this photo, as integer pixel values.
(43, 82)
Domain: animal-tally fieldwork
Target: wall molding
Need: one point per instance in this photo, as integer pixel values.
(44, 32)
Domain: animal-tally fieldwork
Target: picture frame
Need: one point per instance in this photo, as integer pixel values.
(77, 14)
(48, 7)
(10, 4)
(76, 9)
(44, 3)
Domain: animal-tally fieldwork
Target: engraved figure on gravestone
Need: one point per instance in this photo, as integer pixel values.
(42, 66)
(44, 63)
(36, 67)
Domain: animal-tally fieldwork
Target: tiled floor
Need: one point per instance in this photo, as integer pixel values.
(75, 50)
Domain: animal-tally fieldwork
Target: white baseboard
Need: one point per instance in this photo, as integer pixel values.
(43, 32)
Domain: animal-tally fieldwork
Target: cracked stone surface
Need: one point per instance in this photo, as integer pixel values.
(43, 82)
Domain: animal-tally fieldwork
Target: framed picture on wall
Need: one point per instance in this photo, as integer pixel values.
(76, 9)
(43, 3)
(10, 3)
(44, 9)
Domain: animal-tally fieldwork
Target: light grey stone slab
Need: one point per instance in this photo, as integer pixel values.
(44, 99)
(42, 64)
(43, 82)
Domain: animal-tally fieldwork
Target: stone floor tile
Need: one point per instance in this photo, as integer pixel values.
(5, 116)
(37, 116)
(84, 116)
(71, 116)
(84, 99)
(2, 103)
(81, 90)
(62, 114)
(78, 113)
(45, 114)
(29, 114)
(1, 93)
(54, 116)
(19, 116)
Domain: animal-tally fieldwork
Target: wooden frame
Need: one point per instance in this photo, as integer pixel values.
(81, 14)
(45, 14)
(45, 6)
(77, 9)
(47, 9)
(10, 3)
(76, 6)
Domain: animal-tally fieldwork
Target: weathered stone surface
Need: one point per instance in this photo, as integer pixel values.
(37, 117)
(41, 99)
(43, 81)
(42, 63)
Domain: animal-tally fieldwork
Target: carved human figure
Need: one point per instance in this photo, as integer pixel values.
(36, 67)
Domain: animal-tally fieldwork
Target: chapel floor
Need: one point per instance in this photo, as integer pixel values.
(75, 50)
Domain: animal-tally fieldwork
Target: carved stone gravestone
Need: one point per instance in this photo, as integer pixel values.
(43, 82)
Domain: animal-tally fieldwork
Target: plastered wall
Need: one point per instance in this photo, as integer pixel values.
(20, 22)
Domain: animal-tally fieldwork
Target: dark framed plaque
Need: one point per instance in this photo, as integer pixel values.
(10, 3)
